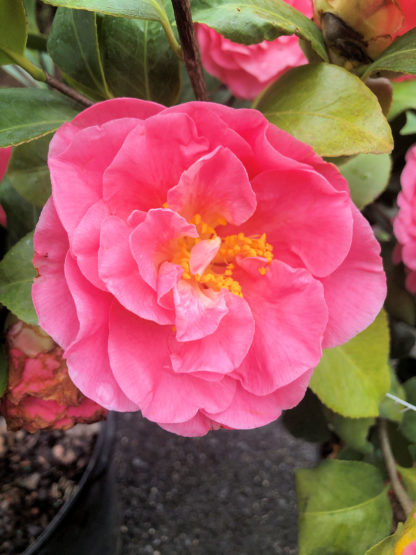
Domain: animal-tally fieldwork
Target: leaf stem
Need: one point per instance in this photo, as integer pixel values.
(176, 47)
(190, 49)
(399, 491)
(68, 91)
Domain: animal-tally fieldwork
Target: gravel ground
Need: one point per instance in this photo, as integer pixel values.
(226, 493)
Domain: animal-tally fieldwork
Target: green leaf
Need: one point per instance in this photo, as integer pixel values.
(30, 9)
(252, 21)
(352, 379)
(367, 176)
(400, 57)
(409, 480)
(16, 277)
(307, 420)
(388, 408)
(404, 97)
(152, 10)
(408, 423)
(26, 114)
(410, 127)
(13, 30)
(138, 60)
(28, 172)
(4, 370)
(22, 216)
(73, 46)
(353, 431)
(405, 532)
(344, 508)
(329, 108)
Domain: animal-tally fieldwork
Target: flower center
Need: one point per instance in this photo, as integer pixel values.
(218, 274)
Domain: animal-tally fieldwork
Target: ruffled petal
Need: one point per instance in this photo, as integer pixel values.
(77, 172)
(222, 351)
(148, 165)
(50, 292)
(198, 312)
(155, 241)
(355, 292)
(216, 186)
(119, 272)
(140, 361)
(290, 314)
(308, 222)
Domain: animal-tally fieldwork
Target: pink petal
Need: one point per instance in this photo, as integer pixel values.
(222, 351)
(355, 292)
(197, 426)
(149, 165)
(251, 411)
(198, 312)
(50, 292)
(154, 241)
(290, 314)
(86, 242)
(308, 222)
(202, 254)
(100, 113)
(77, 172)
(140, 361)
(89, 369)
(119, 272)
(216, 185)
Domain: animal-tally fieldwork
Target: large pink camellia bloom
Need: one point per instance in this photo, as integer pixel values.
(405, 222)
(247, 70)
(194, 260)
(5, 154)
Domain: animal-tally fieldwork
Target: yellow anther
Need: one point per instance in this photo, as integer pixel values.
(262, 270)
(165, 205)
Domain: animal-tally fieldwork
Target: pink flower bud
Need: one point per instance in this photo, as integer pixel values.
(40, 394)
(359, 30)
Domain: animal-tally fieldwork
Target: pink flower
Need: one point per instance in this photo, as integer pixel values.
(40, 394)
(409, 12)
(247, 70)
(194, 260)
(405, 222)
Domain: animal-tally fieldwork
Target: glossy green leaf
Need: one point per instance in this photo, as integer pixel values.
(329, 108)
(152, 10)
(16, 277)
(388, 408)
(252, 21)
(408, 423)
(30, 9)
(26, 114)
(28, 172)
(344, 508)
(405, 532)
(353, 431)
(13, 30)
(352, 379)
(409, 480)
(367, 176)
(138, 60)
(4, 370)
(400, 57)
(410, 127)
(404, 97)
(73, 46)
(22, 216)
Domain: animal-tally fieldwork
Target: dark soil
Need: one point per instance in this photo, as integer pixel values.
(230, 492)
(38, 473)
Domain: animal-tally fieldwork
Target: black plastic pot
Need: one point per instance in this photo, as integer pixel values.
(87, 524)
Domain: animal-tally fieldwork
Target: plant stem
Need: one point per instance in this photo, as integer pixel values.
(40, 75)
(190, 49)
(64, 89)
(399, 491)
